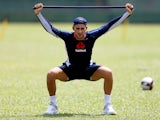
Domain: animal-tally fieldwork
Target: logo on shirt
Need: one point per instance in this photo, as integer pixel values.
(80, 47)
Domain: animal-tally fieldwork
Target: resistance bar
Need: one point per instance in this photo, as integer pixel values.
(82, 7)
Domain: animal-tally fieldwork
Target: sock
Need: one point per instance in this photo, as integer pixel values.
(107, 99)
(53, 99)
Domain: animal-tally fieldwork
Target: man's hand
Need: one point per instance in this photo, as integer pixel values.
(38, 7)
(129, 8)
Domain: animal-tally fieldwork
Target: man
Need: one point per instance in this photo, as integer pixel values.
(79, 65)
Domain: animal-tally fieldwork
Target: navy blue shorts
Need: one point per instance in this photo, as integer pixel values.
(74, 72)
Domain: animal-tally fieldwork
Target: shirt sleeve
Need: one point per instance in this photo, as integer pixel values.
(109, 26)
(47, 26)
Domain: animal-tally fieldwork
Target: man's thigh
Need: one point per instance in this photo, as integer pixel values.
(101, 72)
(59, 73)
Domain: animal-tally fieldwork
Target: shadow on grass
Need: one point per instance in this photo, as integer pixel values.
(60, 115)
(69, 115)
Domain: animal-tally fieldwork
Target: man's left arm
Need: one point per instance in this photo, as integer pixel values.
(129, 9)
(114, 22)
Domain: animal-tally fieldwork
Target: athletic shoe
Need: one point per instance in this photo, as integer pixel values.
(52, 109)
(108, 110)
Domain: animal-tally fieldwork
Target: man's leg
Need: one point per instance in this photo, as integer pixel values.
(52, 76)
(106, 74)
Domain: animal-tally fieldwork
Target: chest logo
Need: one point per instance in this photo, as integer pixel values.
(80, 47)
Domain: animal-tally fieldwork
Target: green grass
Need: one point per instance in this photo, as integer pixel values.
(27, 52)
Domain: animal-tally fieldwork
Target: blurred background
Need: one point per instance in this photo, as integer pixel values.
(146, 11)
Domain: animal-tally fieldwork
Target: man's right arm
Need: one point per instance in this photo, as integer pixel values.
(45, 23)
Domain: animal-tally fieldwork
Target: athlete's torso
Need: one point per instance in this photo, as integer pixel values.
(79, 51)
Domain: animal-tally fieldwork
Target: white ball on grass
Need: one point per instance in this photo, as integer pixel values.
(147, 83)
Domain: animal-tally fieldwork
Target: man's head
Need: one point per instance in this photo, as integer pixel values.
(79, 28)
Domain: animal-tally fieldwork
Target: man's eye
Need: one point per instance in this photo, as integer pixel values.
(80, 28)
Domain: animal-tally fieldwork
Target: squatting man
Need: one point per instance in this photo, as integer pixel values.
(79, 45)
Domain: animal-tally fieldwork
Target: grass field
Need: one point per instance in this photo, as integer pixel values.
(27, 52)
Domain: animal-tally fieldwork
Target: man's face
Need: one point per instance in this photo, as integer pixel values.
(80, 31)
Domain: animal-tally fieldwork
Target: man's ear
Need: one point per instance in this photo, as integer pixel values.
(73, 27)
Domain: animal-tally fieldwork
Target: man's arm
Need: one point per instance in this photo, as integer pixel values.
(113, 23)
(129, 9)
(45, 23)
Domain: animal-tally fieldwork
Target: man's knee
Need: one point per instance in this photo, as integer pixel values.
(51, 74)
(108, 72)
